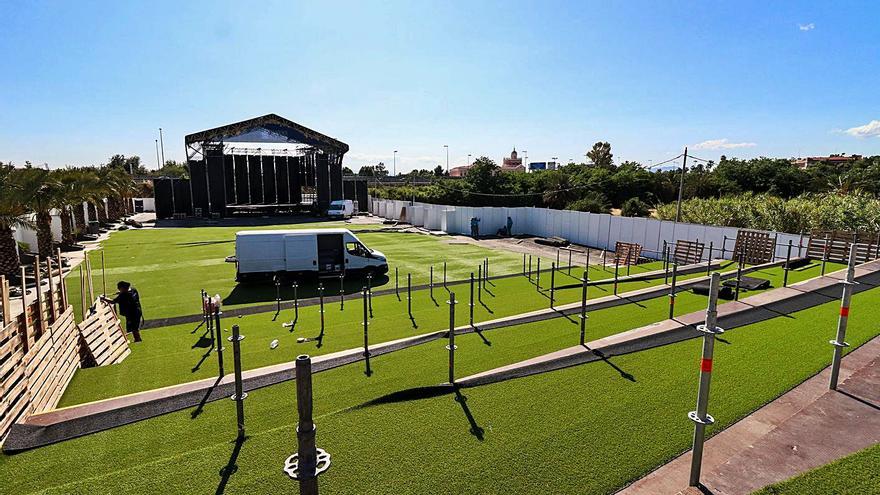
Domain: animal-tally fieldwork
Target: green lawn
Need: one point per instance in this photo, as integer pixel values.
(856, 474)
(586, 429)
(177, 354)
(170, 266)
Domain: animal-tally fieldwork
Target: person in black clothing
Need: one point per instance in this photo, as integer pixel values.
(129, 302)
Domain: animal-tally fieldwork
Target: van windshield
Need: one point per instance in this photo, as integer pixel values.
(357, 249)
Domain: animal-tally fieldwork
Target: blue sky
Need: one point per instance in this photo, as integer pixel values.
(84, 80)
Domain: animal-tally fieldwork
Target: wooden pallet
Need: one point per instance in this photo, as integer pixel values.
(834, 245)
(754, 246)
(627, 253)
(103, 337)
(688, 252)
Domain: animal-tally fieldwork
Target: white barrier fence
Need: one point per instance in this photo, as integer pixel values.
(589, 229)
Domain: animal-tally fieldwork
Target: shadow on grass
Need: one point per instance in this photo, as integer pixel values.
(203, 243)
(480, 334)
(231, 466)
(475, 428)
(409, 394)
(201, 406)
(623, 374)
(255, 292)
(202, 360)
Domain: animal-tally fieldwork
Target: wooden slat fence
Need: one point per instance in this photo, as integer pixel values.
(41, 346)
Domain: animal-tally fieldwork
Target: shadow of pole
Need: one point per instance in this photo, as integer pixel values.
(607, 361)
(478, 332)
(201, 406)
(475, 428)
(202, 360)
(231, 467)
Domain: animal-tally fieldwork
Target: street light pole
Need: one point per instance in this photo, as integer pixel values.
(469, 159)
(684, 164)
(447, 158)
(162, 144)
(395, 163)
(157, 154)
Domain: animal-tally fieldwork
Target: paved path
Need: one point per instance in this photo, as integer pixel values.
(805, 428)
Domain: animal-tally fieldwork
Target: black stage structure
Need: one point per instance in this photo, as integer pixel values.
(263, 165)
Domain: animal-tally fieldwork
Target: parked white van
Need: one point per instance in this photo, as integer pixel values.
(322, 251)
(341, 208)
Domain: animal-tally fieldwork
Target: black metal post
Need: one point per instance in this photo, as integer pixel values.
(739, 268)
(787, 261)
(321, 303)
(672, 290)
(366, 325)
(585, 280)
(530, 268)
(472, 300)
(341, 292)
(240, 395)
(370, 293)
(451, 346)
(219, 341)
(709, 261)
(480, 283)
(538, 275)
(616, 267)
(569, 261)
(409, 294)
(552, 282)
(431, 283)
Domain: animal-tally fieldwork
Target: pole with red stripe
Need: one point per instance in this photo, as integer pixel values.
(840, 341)
(700, 417)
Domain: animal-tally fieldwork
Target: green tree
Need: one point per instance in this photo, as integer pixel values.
(601, 155)
(592, 202)
(635, 207)
(13, 211)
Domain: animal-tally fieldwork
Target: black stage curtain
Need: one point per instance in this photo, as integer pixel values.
(282, 188)
(269, 180)
(242, 189)
(256, 179)
(199, 185)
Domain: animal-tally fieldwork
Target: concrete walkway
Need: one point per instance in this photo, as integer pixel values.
(803, 429)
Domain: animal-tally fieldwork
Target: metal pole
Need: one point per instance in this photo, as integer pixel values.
(839, 341)
(431, 283)
(524, 263)
(530, 268)
(616, 267)
(239, 396)
(709, 260)
(444, 274)
(396, 283)
(604, 262)
(366, 325)
(584, 281)
(277, 294)
(341, 292)
(557, 256)
(321, 303)
(681, 186)
(480, 283)
(700, 417)
(295, 302)
(309, 461)
(569, 261)
(824, 255)
(787, 261)
(162, 144)
(370, 293)
(672, 290)
(217, 314)
(665, 263)
(724, 247)
(552, 282)
(538, 274)
(472, 300)
(739, 268)
(451, 347)
(409, 294)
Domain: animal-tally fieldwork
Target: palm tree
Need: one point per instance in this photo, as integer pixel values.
(75, 187)
(13, 211)
(41, 188)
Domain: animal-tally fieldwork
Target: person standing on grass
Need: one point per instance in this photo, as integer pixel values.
(129, 302)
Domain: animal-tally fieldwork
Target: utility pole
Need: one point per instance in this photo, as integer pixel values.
(395, 163)
(447, 158)
(681, 185)
(162, 144)
(157, 154)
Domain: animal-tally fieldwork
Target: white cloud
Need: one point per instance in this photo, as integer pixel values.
(722, 144)
(871, 129)
(807, 27)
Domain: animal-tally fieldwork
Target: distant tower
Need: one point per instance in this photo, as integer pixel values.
(513, 163)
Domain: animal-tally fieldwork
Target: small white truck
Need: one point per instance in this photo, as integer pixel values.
(263, 253)
(341, 208)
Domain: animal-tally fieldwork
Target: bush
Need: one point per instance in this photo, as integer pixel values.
(592, 202)
(635, 207)
(764, 212)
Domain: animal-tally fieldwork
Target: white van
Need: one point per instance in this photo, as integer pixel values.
(341, 208)
(322, 251)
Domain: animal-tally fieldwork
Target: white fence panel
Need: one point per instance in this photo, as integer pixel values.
(652, 248)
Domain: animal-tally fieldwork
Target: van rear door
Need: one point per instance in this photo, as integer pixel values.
(331, 253)
(301, 253)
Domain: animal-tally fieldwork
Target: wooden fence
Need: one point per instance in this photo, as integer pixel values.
(41, 346)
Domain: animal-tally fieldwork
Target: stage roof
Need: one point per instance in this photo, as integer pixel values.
(269, 128)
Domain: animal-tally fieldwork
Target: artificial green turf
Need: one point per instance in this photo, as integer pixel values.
(170, 266)
(856, 474)
(175, 354)
(586, 429)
